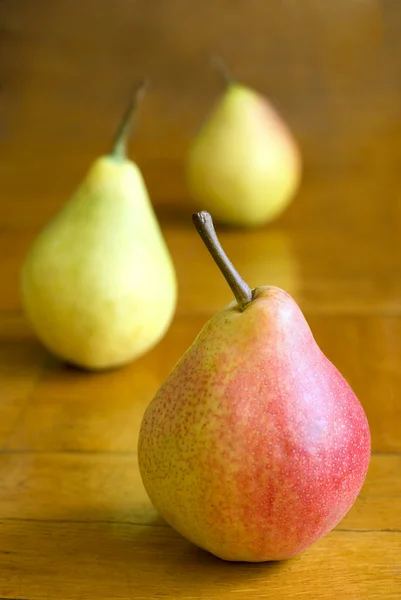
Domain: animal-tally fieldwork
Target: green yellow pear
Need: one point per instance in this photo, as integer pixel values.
(98, 284)
(244, 165)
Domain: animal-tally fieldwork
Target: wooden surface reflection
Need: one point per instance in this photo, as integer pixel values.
(75, 521)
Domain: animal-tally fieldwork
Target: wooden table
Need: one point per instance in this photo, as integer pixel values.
(75, 521)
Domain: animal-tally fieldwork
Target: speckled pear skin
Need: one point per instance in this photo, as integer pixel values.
(255, 446)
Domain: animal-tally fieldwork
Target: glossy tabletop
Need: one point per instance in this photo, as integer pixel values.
(75, 521)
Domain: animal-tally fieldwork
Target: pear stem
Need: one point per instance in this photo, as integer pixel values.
(119, 149)
(221, 67)
(204, 226)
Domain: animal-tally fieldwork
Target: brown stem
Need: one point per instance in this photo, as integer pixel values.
(221, 66)
(120, 141)
(204, 226)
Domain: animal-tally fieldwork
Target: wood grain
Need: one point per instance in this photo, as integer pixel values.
(115, 562)
(22, 362)
(75, 520)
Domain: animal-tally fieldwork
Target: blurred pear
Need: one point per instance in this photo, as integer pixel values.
(244, 165)
(98, 285)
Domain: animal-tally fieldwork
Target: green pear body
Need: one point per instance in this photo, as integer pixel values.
(244, 166)
(98, 285)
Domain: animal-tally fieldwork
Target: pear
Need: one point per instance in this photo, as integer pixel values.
(98, 284)
(244, 165)
(255, 446)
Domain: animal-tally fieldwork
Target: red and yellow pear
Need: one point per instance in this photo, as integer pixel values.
(255, 446)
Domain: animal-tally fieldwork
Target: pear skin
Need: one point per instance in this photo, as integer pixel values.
(244, 165)
(98, 285)
(255, 446)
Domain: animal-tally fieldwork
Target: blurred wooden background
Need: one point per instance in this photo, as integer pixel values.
(66, 68)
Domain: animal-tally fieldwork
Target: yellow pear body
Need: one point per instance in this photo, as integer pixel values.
(244, 166)
(98, 284)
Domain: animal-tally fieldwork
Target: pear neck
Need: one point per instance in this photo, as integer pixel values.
(119, 149)
(241, 290)
(222, 68)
